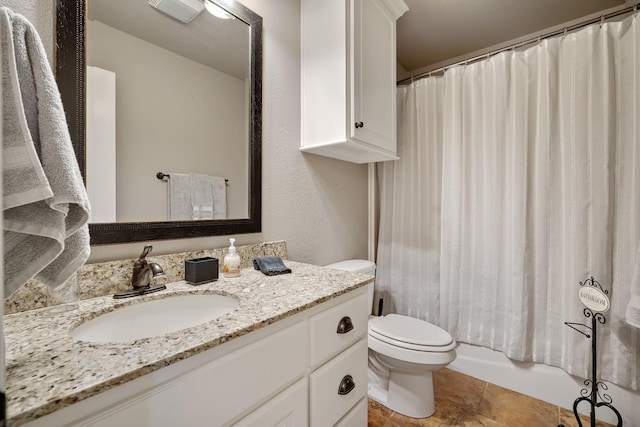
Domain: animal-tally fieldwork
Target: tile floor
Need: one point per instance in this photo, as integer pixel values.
(462, 400)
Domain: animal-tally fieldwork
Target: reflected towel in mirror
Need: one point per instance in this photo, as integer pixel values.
(219, 194)
(196, 197)
(201, 197)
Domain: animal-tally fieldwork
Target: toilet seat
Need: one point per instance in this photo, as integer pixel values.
(411, 334)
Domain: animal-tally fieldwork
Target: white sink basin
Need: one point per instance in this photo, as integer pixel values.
(154, 318)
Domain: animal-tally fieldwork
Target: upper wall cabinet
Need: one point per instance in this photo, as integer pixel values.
(348, 51)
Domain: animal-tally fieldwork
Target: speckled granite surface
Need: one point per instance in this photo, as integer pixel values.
(48, 370)
(93, 280)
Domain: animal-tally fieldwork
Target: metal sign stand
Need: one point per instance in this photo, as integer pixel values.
(596, 302)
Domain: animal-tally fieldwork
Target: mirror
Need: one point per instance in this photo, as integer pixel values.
(166, 128)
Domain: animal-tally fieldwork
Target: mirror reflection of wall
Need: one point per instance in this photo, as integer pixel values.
(174, 113)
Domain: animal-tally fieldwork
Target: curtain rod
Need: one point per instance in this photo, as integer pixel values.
(635, 8)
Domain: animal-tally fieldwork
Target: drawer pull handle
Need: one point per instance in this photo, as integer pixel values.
(359, 125)
(345, 325)
(346, 385)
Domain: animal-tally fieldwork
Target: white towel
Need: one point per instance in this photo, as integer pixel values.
(179, 195)
(196, 197)
(219, 196)
(45, 203)
(633, 307)
(201, 196)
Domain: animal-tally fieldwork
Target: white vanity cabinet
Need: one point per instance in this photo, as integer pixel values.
(348, 54)
(290, 373)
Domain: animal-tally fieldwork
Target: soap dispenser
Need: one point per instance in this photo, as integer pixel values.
(231, 266)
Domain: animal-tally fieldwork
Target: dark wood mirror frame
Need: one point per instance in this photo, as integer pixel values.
(70, 75)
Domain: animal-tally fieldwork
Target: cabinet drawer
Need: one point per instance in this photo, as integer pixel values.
(327, 405)
(287, 409)
(357, 417)
(325, 339)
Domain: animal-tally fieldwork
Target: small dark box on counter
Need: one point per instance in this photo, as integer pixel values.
(201, 270)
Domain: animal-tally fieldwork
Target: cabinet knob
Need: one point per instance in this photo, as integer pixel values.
(359, 125)
(346, 385)
(345, 325)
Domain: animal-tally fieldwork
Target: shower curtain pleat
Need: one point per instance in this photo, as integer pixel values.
(411, 212)
(519, 177)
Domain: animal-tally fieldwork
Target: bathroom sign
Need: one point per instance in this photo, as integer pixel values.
(594, 299)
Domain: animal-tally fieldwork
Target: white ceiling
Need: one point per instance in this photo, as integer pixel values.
(217, 43)
(433, 31)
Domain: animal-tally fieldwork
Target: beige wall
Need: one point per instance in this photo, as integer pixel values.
(318, 205)
(201, 129)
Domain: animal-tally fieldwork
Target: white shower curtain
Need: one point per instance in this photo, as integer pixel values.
(519, 177)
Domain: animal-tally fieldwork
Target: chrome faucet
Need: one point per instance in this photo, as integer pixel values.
(143, 272)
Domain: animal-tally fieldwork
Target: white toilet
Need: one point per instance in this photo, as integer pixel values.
(403, 352)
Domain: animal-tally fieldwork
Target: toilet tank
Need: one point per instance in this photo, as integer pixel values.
(358, 266)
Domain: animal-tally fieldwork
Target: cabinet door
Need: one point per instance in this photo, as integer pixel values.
(218, 391)
(373, 91)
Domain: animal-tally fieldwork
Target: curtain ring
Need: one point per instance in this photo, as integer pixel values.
(564, 33)
(601, 21)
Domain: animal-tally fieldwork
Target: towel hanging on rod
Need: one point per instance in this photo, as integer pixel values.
(161, 176)
(196, 197)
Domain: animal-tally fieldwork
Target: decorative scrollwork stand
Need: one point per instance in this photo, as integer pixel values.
(596, 302)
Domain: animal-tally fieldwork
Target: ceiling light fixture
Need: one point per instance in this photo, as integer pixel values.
(216, 10)
(183, 10)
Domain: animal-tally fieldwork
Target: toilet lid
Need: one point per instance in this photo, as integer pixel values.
(415, 332)
(355, 265)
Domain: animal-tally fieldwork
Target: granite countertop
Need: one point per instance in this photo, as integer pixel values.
(47, 369)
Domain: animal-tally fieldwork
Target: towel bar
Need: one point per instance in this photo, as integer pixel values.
(161, 176)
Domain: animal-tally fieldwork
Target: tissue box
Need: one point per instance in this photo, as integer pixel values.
(201, 270)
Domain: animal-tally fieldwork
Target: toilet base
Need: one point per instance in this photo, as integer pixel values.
(408, 394)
